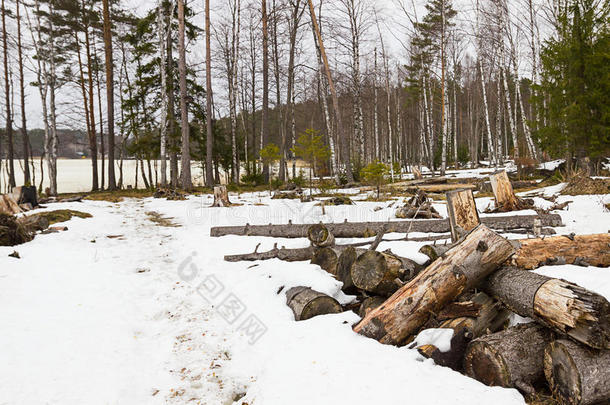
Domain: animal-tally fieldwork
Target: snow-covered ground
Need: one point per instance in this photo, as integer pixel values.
(119, 310)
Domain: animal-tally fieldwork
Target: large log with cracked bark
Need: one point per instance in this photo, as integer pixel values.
(511, 358)
(563, 306)
(307, 303)
(593, 249)
(577, 375)
(369, 229)
(462, 267)
(462, 210)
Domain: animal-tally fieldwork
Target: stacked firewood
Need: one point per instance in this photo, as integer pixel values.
(474, 287)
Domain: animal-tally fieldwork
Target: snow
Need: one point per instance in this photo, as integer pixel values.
(155, 315)
(439, 337)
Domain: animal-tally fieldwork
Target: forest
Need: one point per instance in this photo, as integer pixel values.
(408, 83)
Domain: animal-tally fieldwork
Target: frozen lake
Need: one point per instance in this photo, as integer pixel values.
(74, 175)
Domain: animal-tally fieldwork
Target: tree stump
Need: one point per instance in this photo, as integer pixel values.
(221, 197)
(462, 267)
(8, 205)
(565, 307)
(511, 358)
(576, 374)
(505, 197)
(463, 215)
(382, 273)
(320, 236)
(307, 303)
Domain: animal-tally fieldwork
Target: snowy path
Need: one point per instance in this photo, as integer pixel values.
(142, 317)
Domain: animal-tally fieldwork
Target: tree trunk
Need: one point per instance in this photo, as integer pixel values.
(209, 174)
(265, 112)
(92, 134)
(565, 307)
(341, 136)
(370, 229)
(307, 303)
(162, 32)
(463, 215)
(511, 358)
(462, 267)
(109, 59)
(576, 374)
(7, 101)
(27, 152)
(185, 154)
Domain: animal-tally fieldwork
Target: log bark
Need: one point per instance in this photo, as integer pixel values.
(462, 267)
(511, 358)
(33, 223)
(576, 374)
(462, 210)
(8, 205)
(221, 197)
(307, 303)
(382, 273)
(593, 249)
(320, 236)
(565, 307)
(289, 255)
(369, 229)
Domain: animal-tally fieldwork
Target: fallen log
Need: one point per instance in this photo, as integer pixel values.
(34, 223)
(12, 232)
(594, 249)
(563, 306)
(289, 255)
(8, 205)
(307, 303)
(477, 255)
(382, 273)
(511, 358)
(369, 229)
(328, 258)
(576, 374)
(344, 267)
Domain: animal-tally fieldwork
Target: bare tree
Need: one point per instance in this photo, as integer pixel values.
(209, 174)
(109, 62)
(185, 158)
(7, 91)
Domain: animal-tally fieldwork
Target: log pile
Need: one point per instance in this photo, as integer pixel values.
(473, 287)
(418, 206)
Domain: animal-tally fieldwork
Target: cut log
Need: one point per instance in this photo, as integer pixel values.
(462, 210)
(328, 258)
(370, 229)
(452, 358)
(307, 303)
(576, 374)
(344, 267)
(439, 188)
(505, 197)
(320, 236)
(594, 249)
(221, 197)
(12, 232)
(511, 358)
(462, 267)
(565, 307)
(382, 273)
(369, 304)
(434, 251)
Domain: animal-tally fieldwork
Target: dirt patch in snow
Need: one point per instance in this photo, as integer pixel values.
(160, 220)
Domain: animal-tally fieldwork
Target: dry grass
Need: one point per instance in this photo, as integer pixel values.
(63, 215)
(580, 184)
(160, 220)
